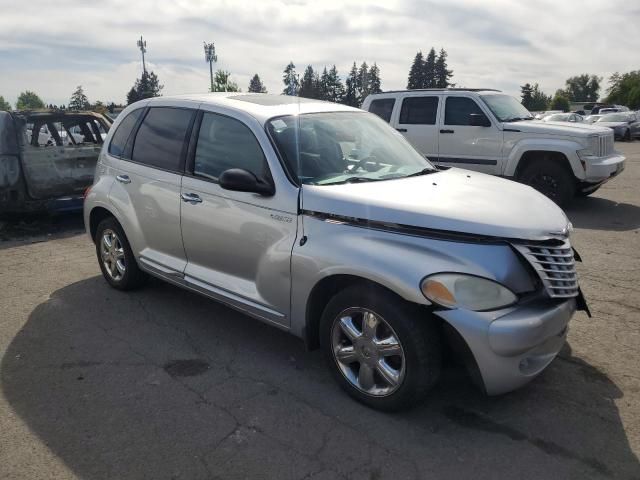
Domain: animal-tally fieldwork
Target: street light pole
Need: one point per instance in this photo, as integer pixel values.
(142, 45)
(210, 56)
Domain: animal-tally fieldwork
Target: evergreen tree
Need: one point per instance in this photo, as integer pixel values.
(429, 70)
(526, 93)
(79, 100)
(4, 105)
(29, 100)
(539, 100)
(256, 85)
(290, 80)
(335, 89)
(362, 83)
(147, 86)
(351, 92)
(323, 85)
(132, 96)
(442, 74)
(222, 82)
(416, 73)
(374, 79)
(308, 84)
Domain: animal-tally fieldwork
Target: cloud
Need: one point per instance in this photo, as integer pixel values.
(51, 47)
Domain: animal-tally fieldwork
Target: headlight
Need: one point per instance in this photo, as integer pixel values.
(593, 147)
(457, 290)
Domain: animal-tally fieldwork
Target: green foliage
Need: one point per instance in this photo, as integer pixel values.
(333, 87)
(4, 105)
(290, 80)
(560, 102)
(362, 83)
(533, 98)
(624, 89)
(256, 85)
(429, 68)
(351, 94)
(222, 82)
(583, 88)
(147, 86)
(441, 74)
(309, 85)
(430, 72)
(79, 100)
(375, 83)
(29, 100)
(416, 73)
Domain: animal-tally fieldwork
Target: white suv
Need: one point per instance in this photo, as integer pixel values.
(490, 132)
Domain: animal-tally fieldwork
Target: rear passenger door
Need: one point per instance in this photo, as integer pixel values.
(417, 121)
(466, 146)
(147, 187)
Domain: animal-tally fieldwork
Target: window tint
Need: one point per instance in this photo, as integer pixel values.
(121, 135)
(383, 108)
(225, 143)
(419, 110)
(161, 137)
(458, 109)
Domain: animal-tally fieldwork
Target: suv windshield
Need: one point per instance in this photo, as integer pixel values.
(614, 117)
(506, 108)
(344, 147)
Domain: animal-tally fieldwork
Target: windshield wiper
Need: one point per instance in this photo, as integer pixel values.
(424, 171)
(360, 180)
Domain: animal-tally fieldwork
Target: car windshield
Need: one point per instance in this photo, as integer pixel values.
(614, 117)
(557, 117)
(344, 147)
(506, 108)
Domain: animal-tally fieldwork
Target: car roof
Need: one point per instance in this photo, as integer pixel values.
(261, 106)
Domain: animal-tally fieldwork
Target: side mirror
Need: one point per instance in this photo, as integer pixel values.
(479, 120)
(240, 180)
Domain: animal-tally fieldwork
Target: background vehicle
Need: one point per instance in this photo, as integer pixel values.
(47, 159)
(319, 219)
(564, 117)
(592, 118)
(625, 125)
(490, 132)
(541, 115)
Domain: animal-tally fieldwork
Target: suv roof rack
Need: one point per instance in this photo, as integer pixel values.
(441, 90)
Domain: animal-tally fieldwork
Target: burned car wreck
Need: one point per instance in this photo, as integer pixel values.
(48, 158)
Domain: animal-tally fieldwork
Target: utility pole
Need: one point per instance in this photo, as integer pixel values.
(210, 56)
(142, 45)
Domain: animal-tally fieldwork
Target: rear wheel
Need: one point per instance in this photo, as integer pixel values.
(115, 257)
(627, 136)
(551, 178)
(382, 351)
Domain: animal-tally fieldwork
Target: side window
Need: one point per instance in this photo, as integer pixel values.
(458, 109)
(121, 135)
(225, 143)
(419, 111)
(161, 136)
(383, 108)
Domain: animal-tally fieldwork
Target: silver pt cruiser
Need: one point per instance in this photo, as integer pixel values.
(322, 220)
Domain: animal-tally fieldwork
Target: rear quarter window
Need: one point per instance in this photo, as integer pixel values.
(383, 108)
(118, 144)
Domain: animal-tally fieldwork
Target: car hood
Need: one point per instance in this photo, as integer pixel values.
(453, 200)
(613, 124)
(555, 128)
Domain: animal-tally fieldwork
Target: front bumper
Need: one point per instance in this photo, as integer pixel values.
(599, 170)
(512, 346)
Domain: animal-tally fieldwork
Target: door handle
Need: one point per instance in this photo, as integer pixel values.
(191, 198)
(401, 129)
(123, 179)
(446, 131)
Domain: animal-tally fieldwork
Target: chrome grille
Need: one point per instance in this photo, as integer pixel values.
(605, 145)
(555, 266)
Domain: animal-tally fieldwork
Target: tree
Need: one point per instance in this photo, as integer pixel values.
(624, 89)
(147, 86)
(362, 83)
(4, 105)
(416, 73)
(539, 100)
(290, 80)
(256, 85)
(583, 88)
(79, 100)
(308, 84)
(441, 74)
(132, 96)
(99, 107)
(526, 93)
(222, 82)
(322, 86)
(334, 87)
(351, 92)
(429, 70)
(560, 102)
(374, 79)
(29, 100)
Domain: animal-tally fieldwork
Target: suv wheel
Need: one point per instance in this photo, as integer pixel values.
(116, 260)
(627, 136)
(550, 178)
(383, 351)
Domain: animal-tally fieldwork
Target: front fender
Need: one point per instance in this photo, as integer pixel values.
(568, 148)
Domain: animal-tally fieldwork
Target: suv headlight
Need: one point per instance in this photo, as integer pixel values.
(592, 149)
(458, 290)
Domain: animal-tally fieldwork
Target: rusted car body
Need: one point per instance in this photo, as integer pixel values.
(48, 158)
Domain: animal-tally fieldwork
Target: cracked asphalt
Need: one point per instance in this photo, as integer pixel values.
(164, 384)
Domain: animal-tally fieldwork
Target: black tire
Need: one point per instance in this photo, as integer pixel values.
(132, 277)
(586, 194)
(627, 136)
(418, 335)
(551, 178)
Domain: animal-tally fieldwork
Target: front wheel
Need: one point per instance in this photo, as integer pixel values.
(550, 178)
(382, 351)
(627, 136)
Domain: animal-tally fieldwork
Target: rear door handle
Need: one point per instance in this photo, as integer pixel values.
(191, 198)
(123, 179)
(401, 129)
(446, 131)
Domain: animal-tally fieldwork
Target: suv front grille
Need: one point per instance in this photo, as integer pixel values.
(555, 265)
(605, 146)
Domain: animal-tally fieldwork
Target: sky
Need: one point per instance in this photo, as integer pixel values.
(50, 47)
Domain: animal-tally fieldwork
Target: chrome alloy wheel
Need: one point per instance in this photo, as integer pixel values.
(112, 254)
(367, 352)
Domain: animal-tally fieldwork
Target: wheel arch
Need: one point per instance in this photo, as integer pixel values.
(563, 150)
(97, 215)
(531, 156)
